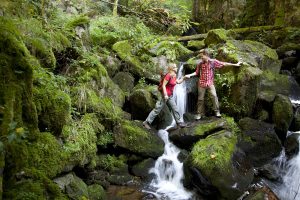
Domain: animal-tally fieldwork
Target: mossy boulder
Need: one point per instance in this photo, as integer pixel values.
(282, 115)
(214, 158)
(72, 186)
(187, 137)
(216, 36)
(133, 137)
(196, 44)
(253, 53)
(142, 102)
(271, 84)
(124, 50)
(80, 138)
(171, 49)
(53, 105)
(16, 100)
(125, 81)
(141, 169)
(259, 141)
(96, 192)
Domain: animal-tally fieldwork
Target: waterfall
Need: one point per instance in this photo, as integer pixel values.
(289, 171)
(168, 170)
(180, 92)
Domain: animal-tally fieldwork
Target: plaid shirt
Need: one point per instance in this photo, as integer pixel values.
(206, 77)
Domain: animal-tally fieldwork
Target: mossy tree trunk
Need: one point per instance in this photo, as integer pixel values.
(279, 12)
(115, 8)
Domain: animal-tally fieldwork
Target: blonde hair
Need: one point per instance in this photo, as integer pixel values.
(171, 66)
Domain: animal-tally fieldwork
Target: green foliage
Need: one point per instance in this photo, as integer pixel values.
(111, 162)
(105, 31)
(80, 139)
(105, 138)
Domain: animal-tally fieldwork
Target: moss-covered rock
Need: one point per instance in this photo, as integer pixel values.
(214, 158)
(141, 103)
(259, 141)
(216, 36)
(80, 139)
(196, 44)
(15, 80)
(125, 81)
(96, 192)
(272, 84)
(124, 50)
(172, 50)
(133, 137)
(282, 115)
(73, 186)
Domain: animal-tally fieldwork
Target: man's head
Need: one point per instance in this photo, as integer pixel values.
(203, 54)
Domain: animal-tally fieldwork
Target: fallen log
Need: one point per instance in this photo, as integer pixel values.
(236, 30)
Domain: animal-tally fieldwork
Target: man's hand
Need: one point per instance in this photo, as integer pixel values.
(187, 76)
(239, 63)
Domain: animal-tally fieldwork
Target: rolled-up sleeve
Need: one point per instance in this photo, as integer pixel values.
(217, 64)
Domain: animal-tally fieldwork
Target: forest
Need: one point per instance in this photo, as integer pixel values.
(78, 79)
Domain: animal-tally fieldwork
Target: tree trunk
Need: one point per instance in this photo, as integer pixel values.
(196, 10)
(115, 8)
(279, 12)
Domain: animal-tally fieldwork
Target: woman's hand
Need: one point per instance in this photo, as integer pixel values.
(166, 97)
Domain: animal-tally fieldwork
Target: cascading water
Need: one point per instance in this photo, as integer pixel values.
(168, 170)
(289, 170)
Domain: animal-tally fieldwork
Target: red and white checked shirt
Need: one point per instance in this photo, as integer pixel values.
(206, 77)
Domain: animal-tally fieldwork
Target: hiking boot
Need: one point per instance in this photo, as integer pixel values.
(197, 117)
(182, 124)
(218, 114)
(146, 125)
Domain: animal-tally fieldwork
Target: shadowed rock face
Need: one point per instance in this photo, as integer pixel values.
(259, 141)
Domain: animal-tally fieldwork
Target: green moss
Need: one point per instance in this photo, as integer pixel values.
(44, 155)
(262, 49)
(80, 139)
(213, 154)
(216, 36)
(203, 129)
(96, 192)
(124, 50)
(16, 79)
(196, 44)
(111, 163)
(81, 20)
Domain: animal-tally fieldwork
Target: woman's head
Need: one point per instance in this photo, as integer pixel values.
(172, 67)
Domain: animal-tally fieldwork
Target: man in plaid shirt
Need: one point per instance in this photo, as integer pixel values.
(205, 71)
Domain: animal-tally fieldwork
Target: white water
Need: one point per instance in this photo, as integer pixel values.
(289, 188)
(168, 170)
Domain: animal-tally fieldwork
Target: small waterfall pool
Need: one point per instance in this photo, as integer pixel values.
(168, 170)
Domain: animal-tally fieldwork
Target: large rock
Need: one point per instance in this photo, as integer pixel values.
(213, 161)
(185, 138)
(141, 103)
(136, 67)
(259, 141)
(133, 137)
(282, 115)
(73, 186)
(125, 81)
(216, 36)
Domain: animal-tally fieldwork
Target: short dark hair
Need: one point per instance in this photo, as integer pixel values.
(204, 52)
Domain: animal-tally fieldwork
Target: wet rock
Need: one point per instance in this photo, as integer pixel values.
(291, 144)
(259, 141)
(282, 115)
(141, 169)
